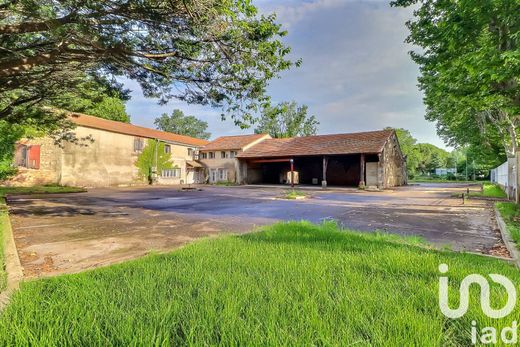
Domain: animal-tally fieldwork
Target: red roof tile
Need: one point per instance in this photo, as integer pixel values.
(134, 130)
(354, 143)
(232, 142)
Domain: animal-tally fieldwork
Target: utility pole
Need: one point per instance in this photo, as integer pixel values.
(466, 166)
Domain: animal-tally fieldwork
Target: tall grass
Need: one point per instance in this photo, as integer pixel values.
(3, 224)
(510, 212)
(290, 284)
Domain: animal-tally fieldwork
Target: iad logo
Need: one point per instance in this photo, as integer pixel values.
(484, 295)
(488, 334)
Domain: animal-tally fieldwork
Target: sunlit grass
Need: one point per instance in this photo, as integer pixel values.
(47, 189)
(291, 284)
(510, 212)
(490, 190)
(3, 225)
(293, 194)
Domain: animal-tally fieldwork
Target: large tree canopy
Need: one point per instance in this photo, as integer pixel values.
(178, 123)
(470, 69)
(217, 52)
(286, 119)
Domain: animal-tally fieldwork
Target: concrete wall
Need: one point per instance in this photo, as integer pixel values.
(393, 164)
(107, 161)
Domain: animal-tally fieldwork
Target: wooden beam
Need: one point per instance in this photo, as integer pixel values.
(362, 171)
(325, 163)
(259, 161)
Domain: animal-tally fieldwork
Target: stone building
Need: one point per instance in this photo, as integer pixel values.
(107, 158)
(219, 156)
(372, 159)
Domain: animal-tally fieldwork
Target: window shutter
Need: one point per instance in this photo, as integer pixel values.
(34, 157)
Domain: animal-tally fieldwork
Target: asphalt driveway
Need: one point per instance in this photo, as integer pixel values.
(72, 232)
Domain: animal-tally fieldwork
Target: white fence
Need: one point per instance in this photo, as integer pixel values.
(505, 176)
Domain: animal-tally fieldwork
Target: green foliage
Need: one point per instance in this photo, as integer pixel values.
(153, 155)
(178, 123)
(287, 119)
(9, 134)
(470, 68)
(421, 158)
(510, 213)
(211, 52)
(290, 284)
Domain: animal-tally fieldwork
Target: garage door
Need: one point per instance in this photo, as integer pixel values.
(371, 172)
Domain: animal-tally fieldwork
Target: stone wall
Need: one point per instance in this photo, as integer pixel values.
(50, 165)
(393, 164)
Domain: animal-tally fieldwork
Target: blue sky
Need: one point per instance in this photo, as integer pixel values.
(356, 73)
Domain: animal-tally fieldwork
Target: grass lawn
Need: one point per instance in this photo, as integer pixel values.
(290, 284)
(426, 179)
(510, 212)
(490, 190)
(3, 223)
(48, 189)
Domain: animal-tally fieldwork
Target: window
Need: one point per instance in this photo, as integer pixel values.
(190, 151)
(138, 144)
(27, 156)
(232, 154)
(222, 174)
(167, 149)
(223, 155)
(204, 155)
(211, 155)
(171, 173)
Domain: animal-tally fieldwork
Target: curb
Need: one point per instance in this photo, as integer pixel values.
(12, 264)
(510, 244)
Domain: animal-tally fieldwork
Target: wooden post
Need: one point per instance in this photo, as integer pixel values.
(292, 173)
(362, 171)
(324, 181)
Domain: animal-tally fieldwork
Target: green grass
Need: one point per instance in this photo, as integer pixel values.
(510, 212)
(3, 223)
(293, 194)
(426, 179)
(48, 189)
(490, 190)
(290, 284)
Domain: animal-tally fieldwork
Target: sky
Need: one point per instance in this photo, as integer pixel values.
(356, 73)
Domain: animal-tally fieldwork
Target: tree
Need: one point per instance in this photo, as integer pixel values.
(287, 119)
(97, 97)
(470, 68)
(153, 156)
(9, 134)
(178, 123)
(216, 52)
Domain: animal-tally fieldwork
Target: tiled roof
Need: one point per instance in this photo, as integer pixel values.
(365, 142)
(134, 130)
(232, 142)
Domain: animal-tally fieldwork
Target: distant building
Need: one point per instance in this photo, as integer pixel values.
(445, 171)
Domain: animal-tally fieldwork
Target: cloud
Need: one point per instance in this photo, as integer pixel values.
(356, 73)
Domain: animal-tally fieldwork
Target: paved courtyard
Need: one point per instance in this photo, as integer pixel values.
(72, 232)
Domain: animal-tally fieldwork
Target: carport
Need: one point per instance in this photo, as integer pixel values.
(359, 159)
(335, 170)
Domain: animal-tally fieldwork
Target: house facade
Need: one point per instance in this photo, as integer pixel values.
(219, 156)
(106, 155)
